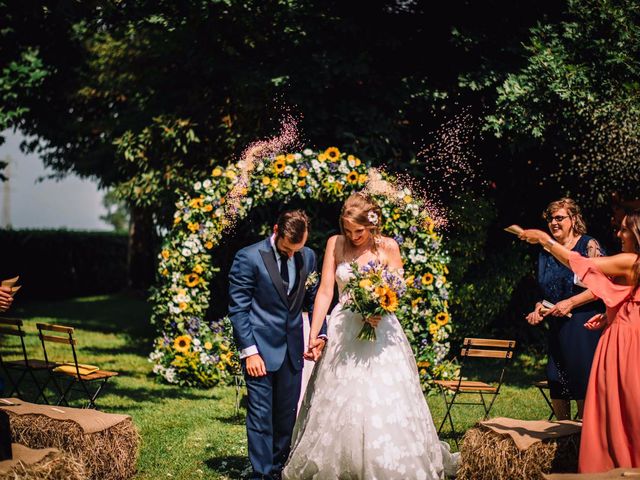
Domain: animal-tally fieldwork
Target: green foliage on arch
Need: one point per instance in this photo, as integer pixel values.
(190, 351)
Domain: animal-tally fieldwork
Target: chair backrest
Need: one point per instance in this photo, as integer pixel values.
(497, 348)
(57, 334)
(13, 326)
(488, 348)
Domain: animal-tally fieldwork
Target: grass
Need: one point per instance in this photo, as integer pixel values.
(192, 433)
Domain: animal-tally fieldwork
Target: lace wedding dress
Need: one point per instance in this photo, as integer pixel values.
(364, 416)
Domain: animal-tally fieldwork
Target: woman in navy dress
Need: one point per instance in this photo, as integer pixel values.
(571, 346)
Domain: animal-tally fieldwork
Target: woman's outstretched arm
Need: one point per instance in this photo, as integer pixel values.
(615, 266)
(325, 293)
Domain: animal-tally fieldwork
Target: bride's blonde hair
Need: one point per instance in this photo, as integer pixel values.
(360, 208)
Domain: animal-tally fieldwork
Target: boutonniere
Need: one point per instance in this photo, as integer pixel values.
(312, 280)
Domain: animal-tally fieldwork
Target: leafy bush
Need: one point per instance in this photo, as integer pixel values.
(485, 273)
(56, 264)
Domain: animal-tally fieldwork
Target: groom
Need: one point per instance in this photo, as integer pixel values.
(267, 291)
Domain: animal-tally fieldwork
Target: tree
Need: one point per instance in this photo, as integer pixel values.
(579, 92)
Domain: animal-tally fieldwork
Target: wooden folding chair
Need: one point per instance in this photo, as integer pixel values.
(91, 384)
(22, 368)
(488, 392)
(543, 385)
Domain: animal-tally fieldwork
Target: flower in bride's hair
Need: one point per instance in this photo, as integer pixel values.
(372, 217)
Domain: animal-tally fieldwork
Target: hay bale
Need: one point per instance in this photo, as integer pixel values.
(110, 454)
(487, 455)
(55, 465)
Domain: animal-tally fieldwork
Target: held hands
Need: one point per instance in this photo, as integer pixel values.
(5, 298)
(314, 352)
(255, 366)
(597, 322)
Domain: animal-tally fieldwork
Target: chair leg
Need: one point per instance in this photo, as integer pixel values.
(15, 384)
(94, 396)
(39, 388)
(62, 400)
(546, 399)
(449, 405)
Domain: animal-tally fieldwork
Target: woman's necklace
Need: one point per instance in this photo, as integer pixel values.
(358, 253)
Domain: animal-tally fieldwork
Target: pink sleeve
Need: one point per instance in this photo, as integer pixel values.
(599, 284)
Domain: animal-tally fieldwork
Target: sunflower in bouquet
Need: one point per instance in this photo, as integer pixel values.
(373, 290)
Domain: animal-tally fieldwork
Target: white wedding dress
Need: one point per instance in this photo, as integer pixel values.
(364, 416)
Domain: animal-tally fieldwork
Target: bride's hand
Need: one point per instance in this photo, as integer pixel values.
(314, 352)
(373, 320)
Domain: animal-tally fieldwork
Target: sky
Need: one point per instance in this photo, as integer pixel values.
(72, 203)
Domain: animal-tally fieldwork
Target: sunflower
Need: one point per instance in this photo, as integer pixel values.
(332, 154)
(442, 318)
(191, 279)
(279, 166)
(389, 301)
(352, 177)
(196, 202)
(182, 343)
(427, 278)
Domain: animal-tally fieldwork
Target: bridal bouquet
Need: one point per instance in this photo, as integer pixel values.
(373, 290)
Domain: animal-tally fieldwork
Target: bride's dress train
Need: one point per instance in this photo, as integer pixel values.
(364, 416)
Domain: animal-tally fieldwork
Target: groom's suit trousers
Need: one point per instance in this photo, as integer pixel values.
(271, 415)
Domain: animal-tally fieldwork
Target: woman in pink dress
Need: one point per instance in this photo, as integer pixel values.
(611, 422)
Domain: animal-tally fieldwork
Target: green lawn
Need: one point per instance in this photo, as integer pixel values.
(190, 433)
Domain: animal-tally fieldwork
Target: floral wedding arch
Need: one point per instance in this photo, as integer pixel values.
(191, 351)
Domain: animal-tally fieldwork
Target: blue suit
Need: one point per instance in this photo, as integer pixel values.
(264, 315)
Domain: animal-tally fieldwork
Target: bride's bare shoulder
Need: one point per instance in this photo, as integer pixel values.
(388, 244)
(335, 240)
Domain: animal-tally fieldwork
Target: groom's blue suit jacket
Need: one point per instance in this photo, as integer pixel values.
(260, 310)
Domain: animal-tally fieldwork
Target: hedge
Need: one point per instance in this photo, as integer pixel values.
(56, 264)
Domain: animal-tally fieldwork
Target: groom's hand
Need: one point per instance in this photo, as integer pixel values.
(255, 366)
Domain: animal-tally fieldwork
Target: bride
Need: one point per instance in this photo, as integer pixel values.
(364, 415)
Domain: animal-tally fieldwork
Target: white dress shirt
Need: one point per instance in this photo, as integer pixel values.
(291, 266)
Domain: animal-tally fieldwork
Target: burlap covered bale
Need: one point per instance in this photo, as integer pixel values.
(487, 455)
(54, 465)
(110, 454)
